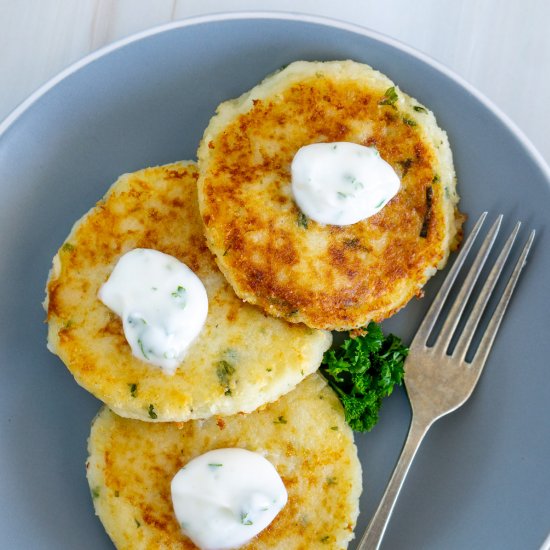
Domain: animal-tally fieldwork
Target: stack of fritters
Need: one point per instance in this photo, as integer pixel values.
(242, 360)
(233, 388)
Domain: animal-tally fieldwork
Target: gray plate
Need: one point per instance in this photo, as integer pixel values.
(480, 480)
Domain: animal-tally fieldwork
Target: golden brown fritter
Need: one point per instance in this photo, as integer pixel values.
(303, 434)
(242, 358)
(326, 276)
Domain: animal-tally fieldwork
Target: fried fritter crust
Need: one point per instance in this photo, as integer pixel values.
(326, 276)
(242, 358)
(303, 434)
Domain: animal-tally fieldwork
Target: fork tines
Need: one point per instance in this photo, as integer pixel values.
(444, 339)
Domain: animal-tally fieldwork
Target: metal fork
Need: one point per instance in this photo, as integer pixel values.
(438, 383)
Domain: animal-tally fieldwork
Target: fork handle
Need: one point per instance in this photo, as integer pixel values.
(377, 526)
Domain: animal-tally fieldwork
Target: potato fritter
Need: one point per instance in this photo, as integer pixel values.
(303, 434)
(242, 358)
(326, 276)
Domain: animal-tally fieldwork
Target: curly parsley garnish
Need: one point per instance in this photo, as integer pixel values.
(364, 370)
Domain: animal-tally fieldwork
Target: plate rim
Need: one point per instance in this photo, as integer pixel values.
(34, 97)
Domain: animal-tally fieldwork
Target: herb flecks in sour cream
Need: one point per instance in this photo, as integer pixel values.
(162, 303)
(341, 183)
(225, 497)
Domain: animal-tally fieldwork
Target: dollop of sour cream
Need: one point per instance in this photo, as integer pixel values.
(225, 497)
(162, 303)
(341, 183)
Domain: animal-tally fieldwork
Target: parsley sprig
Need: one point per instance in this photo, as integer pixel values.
(364, 370)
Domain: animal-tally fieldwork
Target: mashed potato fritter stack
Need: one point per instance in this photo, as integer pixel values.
(248, 379)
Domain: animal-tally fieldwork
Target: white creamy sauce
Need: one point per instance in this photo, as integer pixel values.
(341, 183)
(162, 303)
(225, 497)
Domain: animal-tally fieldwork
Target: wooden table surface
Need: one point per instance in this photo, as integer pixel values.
(501, 47)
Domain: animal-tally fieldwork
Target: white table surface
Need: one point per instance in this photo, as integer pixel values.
(502, 47)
